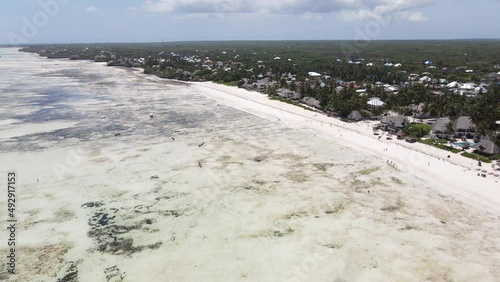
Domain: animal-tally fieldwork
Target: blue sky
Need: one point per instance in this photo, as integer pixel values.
(68, 21)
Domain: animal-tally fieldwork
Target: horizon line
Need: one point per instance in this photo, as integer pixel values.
(243, 40)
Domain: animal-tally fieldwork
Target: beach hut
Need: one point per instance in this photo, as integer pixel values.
(355, 116)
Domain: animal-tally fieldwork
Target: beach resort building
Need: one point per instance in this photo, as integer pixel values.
(288, 94)
(440, 129)
(464, 127)
(394, 123)
(311, 102)
(486, 147)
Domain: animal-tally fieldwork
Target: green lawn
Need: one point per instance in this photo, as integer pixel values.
(439, 145)
(419, 130)
(230, 83)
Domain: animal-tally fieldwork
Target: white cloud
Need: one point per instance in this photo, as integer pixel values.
(91, 9)
(245, 6)
(395, 9)
(310, 16)
(308, 9)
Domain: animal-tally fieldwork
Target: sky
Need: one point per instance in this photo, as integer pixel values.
(93, 21)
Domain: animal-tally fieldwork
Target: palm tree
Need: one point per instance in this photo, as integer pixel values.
(449, 128)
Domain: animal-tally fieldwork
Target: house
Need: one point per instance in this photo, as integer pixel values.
(487, 147)
(236, 65)
(418, 111)
(314, 74)
(468, 86)
(375, 102)
(440, 129)
(425, 79)
(464, 127)
(311, 102)
(394, 123)
(355, 116)
(288, 94)
(262, 84)
(391, 89)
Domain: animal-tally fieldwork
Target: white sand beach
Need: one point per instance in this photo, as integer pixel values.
(226, 185)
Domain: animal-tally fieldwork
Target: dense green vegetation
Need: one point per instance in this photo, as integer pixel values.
(450, 57)
(418, 130)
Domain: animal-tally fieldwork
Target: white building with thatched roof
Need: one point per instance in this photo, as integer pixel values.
(394, 123)
(464, 127)
(440, 129)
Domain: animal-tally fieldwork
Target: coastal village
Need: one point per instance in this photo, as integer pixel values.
(399, 104)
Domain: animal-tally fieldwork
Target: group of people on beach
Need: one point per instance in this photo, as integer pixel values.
(392, 164)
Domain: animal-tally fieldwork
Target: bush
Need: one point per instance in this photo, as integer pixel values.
(496, 157)
(476, 157)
